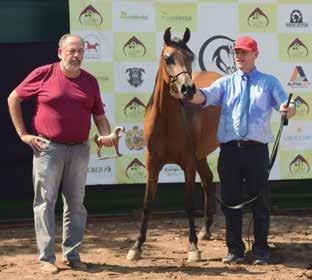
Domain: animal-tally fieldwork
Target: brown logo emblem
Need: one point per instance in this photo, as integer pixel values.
(134, 48)
(299, 166)
(258, 19)
(90, 16)
(297, 49)
(135, 170)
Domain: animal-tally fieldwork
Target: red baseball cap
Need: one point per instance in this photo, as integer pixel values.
(246, 43)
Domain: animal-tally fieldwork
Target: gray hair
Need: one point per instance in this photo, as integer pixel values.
(64, 38)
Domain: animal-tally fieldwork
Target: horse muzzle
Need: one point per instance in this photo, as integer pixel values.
(188, 91)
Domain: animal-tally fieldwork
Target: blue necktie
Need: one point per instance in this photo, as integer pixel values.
(244, 106)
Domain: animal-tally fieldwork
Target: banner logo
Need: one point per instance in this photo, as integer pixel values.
(134, 48)
(297, 49)
(92, 47)
(135, 76)
(172, 170)
(218, 51)
(90, 16)
(135, 139)
(136, 170)
(298, 79)
(296, 20)
(258, 19)
(302, 107)
(134, 17)
(299, 166)
(134, 109)
(175, 18)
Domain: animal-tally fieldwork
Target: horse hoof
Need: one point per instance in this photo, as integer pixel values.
(194, 256)
(204, 235)
(134, 254)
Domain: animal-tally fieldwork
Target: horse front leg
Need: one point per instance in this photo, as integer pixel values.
(207, 185)
(193, 253)
(135, 251)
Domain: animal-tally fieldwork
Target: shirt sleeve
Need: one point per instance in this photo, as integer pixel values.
(31, 84)
(213, 93)
(98, 106)
(279, 95)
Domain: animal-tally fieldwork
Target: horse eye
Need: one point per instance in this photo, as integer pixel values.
(169, 59)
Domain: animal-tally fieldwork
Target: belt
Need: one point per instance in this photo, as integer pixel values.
(63, 143)
(241, 144)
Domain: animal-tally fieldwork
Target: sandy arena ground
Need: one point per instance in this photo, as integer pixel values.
(106, 245)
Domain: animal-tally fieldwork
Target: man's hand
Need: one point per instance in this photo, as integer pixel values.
(290, 110)
(35, 142)
(108, 140)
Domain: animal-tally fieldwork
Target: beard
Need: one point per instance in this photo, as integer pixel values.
(71, 66)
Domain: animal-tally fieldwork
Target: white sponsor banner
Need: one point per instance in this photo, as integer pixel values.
(133, 15)
(134, 77)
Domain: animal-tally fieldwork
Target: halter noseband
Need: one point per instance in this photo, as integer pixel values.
(173, 79)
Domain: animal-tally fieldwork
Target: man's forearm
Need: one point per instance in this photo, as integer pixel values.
(14, 103)
(102, 124)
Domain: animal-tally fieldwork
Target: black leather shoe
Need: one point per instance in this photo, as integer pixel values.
(233, 259)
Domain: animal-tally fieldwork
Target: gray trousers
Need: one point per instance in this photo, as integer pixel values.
(66, 166)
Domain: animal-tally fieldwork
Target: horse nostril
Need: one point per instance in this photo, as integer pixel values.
(188, 91)
(193, 89)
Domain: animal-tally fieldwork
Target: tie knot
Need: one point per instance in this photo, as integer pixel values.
(245, 77)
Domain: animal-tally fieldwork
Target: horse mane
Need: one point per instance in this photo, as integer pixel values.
(150, 101)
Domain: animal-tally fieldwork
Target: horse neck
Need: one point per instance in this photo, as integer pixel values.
(161, 98)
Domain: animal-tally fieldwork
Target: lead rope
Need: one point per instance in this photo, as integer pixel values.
(284, 122)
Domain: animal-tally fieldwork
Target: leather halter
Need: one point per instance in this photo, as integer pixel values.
(173, 79)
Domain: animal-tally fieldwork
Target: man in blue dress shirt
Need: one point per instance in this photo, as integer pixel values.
(247, 98)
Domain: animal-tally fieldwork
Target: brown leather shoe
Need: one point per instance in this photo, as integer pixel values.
(49, 268)
(76, 264)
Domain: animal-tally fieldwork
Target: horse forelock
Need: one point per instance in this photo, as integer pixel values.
(179, 43)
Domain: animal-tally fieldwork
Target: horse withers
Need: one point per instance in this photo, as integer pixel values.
(176, 131)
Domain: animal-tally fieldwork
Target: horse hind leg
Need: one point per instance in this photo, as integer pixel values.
(208, 188)
(135, 251)
(193, 253)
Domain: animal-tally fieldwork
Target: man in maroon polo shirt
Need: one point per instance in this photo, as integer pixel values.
(66, 97)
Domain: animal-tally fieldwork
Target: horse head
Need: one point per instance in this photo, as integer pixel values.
(177, 59)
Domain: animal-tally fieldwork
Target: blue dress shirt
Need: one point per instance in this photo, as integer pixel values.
(266, 93)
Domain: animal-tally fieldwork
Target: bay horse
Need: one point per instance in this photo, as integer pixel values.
(176, 131)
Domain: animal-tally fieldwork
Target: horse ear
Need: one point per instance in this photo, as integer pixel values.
(187, 35)
(167, 35)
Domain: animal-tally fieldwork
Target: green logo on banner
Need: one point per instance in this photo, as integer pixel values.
(176, 16)
(261, 18)
(132, 17)
(295, 165)
(135, 47)
(130, 169)
(95, 16)
(295, 47)
(130, 108)
(303, 107)
(103, 71)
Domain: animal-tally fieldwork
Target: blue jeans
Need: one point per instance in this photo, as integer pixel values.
(236, 166)
(60, 165)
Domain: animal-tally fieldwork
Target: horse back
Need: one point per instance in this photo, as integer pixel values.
(206, 121)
